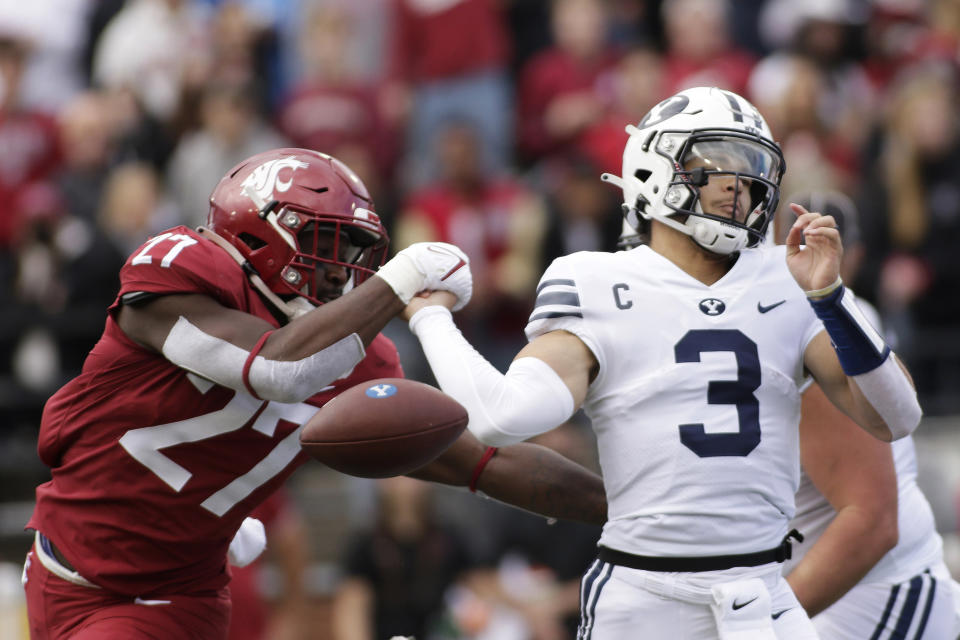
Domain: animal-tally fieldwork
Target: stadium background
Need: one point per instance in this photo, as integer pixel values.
(481, 122)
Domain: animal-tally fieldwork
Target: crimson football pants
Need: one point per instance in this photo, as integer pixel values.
(58, 609)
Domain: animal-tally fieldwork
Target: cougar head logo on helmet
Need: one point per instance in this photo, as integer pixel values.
(302, 220)
(703, 162)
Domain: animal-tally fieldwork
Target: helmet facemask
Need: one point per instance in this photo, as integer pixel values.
(704, 163)
(724, 189)
(331, 255)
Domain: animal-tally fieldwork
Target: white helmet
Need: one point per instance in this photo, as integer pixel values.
(727, 136)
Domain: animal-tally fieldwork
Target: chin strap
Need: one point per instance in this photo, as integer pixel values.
(252, 274)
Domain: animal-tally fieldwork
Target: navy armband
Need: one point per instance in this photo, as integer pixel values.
(860, 348)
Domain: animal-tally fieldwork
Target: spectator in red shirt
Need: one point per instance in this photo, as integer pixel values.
(332, 106)
(566, 88)
(28, 138)
(638, 85)
(449, 58)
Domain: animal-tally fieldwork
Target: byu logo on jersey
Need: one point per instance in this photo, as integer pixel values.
(712, 306)
(265, 180)
(381, 391)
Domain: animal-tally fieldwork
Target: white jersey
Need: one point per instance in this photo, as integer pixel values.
(696, 403)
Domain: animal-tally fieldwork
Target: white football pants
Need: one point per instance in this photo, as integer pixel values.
(925, 607)
(619, 603)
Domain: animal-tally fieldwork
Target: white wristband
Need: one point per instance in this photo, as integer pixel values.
(817, 293)
(403, 277)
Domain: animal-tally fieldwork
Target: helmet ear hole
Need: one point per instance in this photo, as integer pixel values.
(642, 174)
(251, 241)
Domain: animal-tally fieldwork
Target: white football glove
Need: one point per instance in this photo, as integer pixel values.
(429, 266)
(248, 543)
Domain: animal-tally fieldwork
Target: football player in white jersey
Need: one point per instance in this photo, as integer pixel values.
(687, 354)
(852, 572)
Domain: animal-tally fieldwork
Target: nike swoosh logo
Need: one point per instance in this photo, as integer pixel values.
(764, 309)
(452, 271)
(460, 261)
(741, 605)
(150, 603)
(778, 614)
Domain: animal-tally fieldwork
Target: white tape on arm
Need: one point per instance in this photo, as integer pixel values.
(402, 275)
(188, 347)
(504, 409)
(889, 392)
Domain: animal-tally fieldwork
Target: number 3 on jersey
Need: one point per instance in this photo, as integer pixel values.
(737, 392)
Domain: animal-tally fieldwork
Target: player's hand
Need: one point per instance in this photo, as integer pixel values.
(429, 298)
(446, 268)
(818, 265)
(430, 266)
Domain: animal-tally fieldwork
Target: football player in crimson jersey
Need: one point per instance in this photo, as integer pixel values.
(221, 342)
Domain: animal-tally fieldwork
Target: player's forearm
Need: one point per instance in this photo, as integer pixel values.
(541, 480)
(884, 399)
(240, 351)
(455, 465)
(853, 543)
(525, 475)
(530, 399)
(364, 311)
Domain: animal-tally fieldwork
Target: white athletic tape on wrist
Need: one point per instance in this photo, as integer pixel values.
(402, 275)
(429, 266)
(190, 348)
(504, 409)
(889, 392)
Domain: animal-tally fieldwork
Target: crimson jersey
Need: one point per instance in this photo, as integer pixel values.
(153, 467)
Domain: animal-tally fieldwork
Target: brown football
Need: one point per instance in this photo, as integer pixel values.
(384, 427)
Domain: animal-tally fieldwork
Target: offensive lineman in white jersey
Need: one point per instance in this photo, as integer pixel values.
(853, 574)
(687, 355)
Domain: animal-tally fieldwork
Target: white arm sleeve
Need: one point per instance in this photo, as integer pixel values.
(190, 348)
(504, 409)
(888, 390)
(886, 387)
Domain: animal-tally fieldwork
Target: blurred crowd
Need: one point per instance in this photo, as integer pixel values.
(485, 123)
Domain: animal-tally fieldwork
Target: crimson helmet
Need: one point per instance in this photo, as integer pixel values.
(302, 219)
